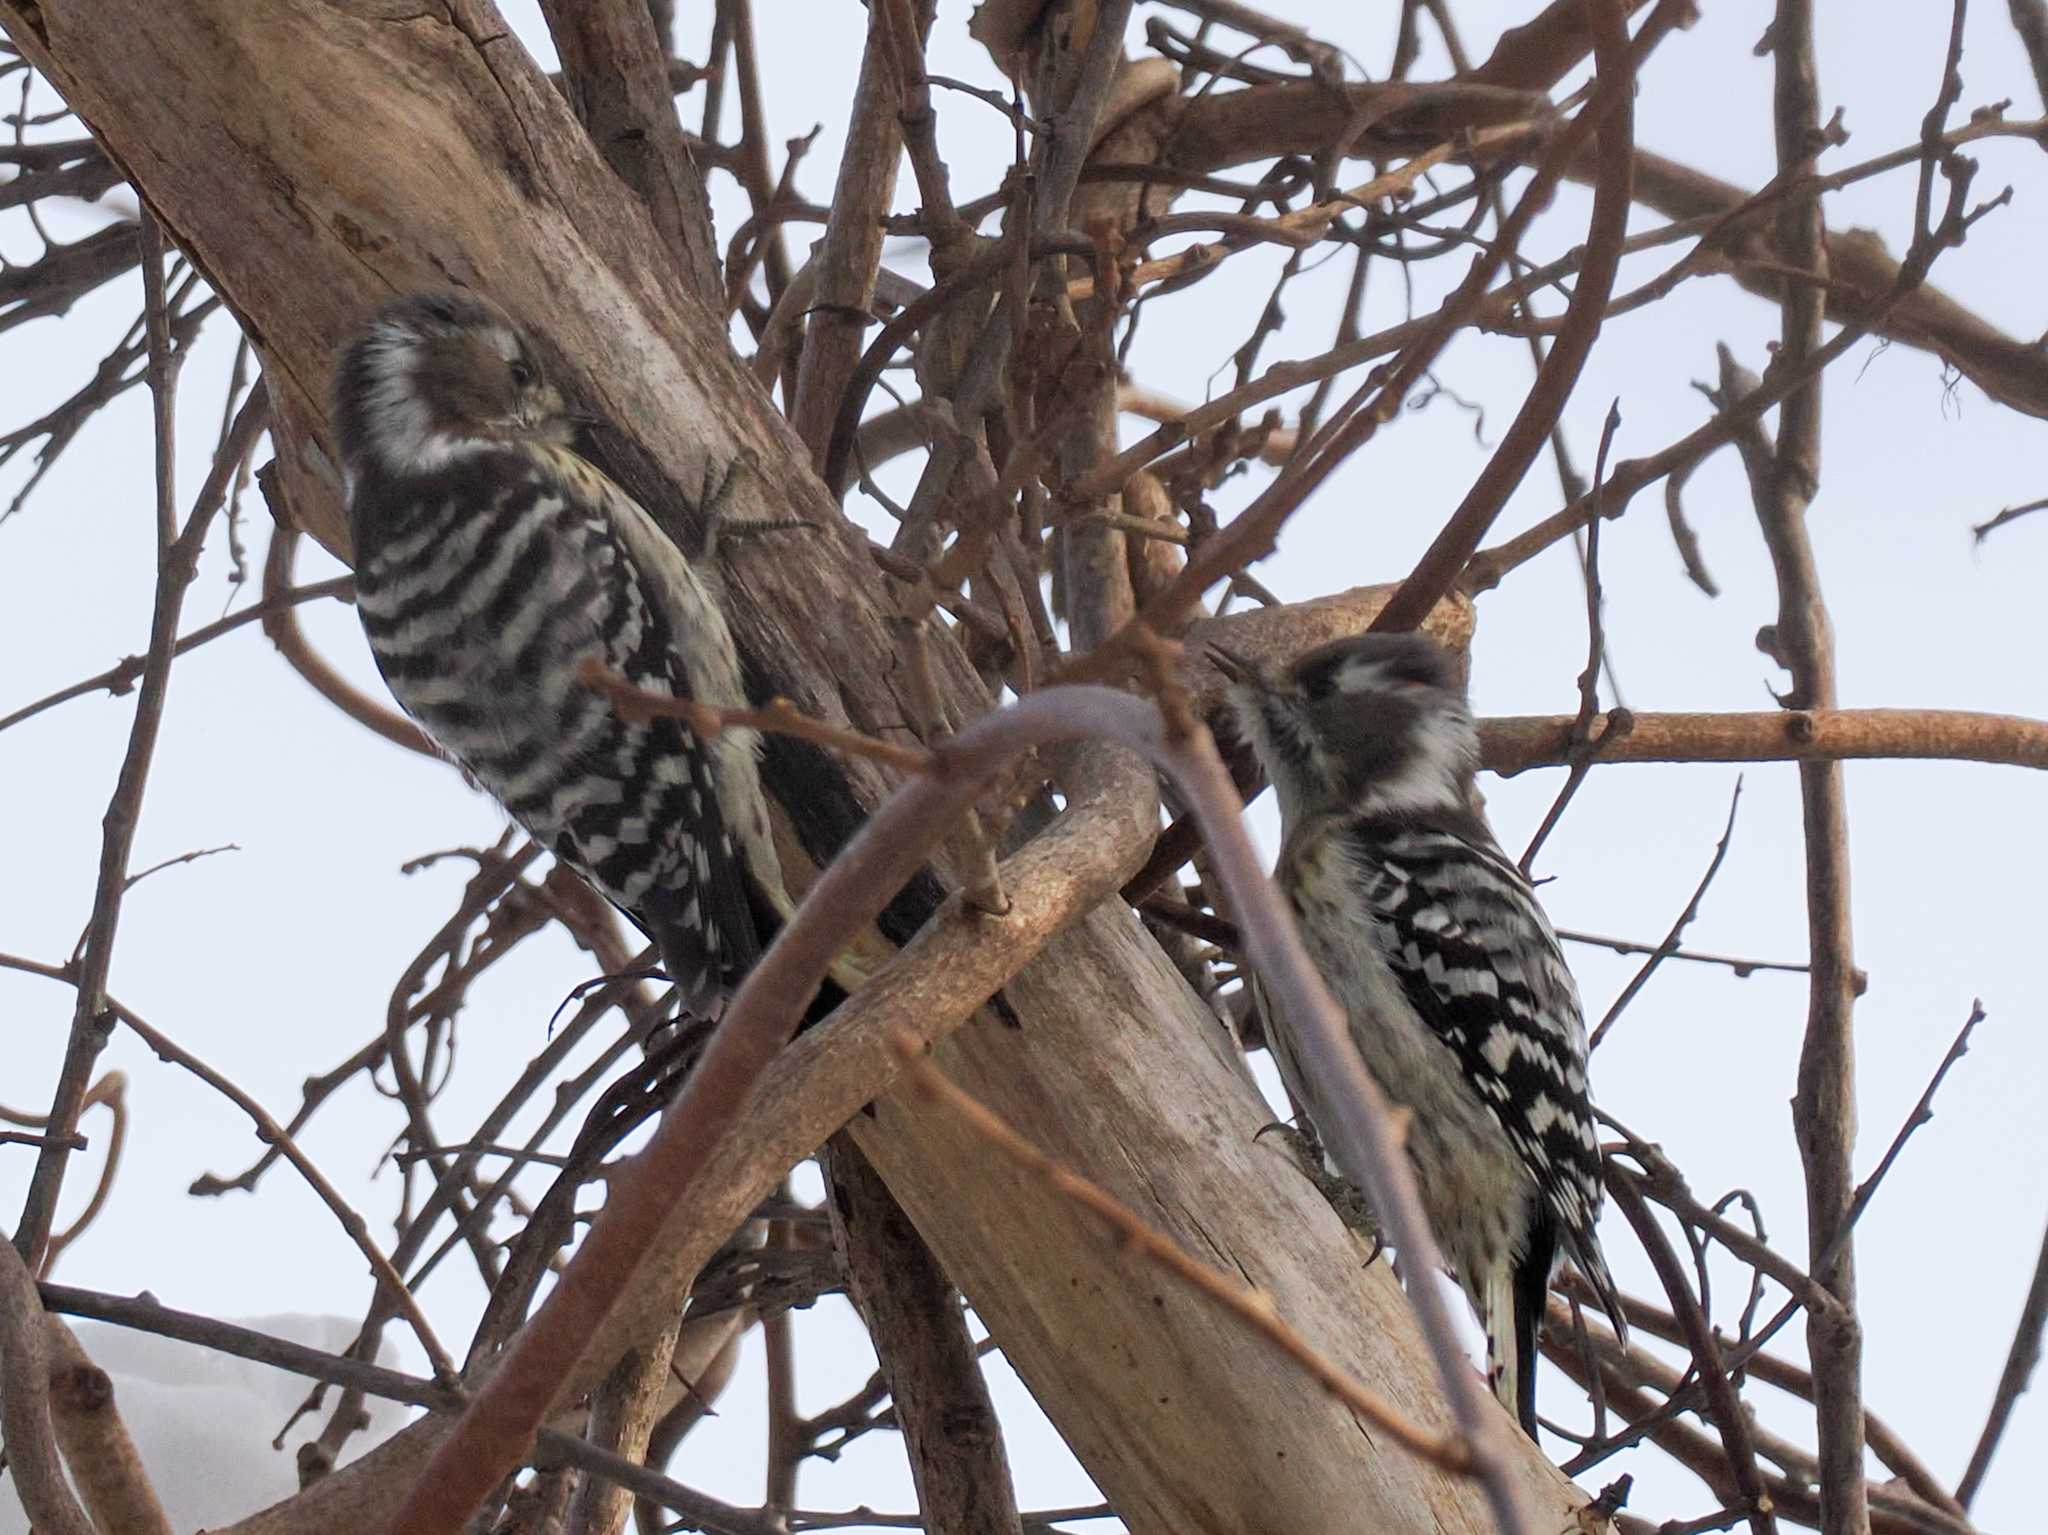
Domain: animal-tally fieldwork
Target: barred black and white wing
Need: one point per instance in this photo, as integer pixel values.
(1479, 962)
(483, 585)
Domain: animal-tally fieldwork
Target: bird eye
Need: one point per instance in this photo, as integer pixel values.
(522, 373)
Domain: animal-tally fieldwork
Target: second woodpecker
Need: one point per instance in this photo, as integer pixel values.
(1449, 973)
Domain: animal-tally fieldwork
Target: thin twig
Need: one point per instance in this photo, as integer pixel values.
(1663, 1183)
(177, 563)
(272, 1133)
(1742, 966)
(109, 1092)
(1923, 1112)
(122, 676)
(2012, 1380)
(1982, 530)
(1587, 746)
(1787, 1376)
(778, 717)
(1669, 946)
(281, 625)
(1729, 1415)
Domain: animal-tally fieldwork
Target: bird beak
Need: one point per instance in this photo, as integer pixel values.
(1235, 667)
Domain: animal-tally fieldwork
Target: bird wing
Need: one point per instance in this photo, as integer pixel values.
(705, 928)
(1478, 960)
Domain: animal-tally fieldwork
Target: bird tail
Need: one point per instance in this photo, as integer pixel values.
(1510, 1372)
(1526, 1286)
(1593, 1264)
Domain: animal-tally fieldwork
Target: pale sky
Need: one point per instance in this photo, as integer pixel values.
(275, 961)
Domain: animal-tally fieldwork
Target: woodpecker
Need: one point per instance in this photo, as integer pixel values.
(491, 562)
(1453, 985)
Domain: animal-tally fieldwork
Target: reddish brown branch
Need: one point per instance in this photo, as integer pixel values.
(281, 624)
(1514, 743)
(778, 716)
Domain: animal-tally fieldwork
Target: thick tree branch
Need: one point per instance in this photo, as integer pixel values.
(847, 256)
(97, 1448)
(616, 74)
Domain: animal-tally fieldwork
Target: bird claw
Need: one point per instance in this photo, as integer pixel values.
(715, 506)
(1344, 1196)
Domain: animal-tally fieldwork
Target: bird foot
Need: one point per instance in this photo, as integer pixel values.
(1345, 1197)
(715, 506)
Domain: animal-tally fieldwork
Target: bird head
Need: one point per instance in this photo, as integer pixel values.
(1371, 724)
(436, 376)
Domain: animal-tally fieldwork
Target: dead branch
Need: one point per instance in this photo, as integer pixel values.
(351, 1222)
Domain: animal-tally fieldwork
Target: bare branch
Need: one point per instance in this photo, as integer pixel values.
(1513, 745)
(177, 563)
(269, 1129)
(2012, 1380)
(31, 1441)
